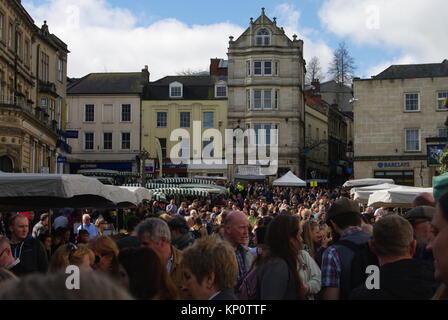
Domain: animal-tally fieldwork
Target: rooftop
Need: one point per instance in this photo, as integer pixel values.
(430, 70)
(194, 88)
(108, 83)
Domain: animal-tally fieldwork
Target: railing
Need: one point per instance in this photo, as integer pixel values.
(45, 86)
(27, 106)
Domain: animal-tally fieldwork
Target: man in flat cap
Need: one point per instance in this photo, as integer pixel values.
(344, 218)
(420, 219)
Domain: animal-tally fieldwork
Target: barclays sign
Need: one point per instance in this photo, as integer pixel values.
(393, 164)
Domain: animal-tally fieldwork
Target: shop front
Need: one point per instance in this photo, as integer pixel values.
(405, 172)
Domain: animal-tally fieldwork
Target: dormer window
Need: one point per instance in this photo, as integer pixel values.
(220, 90)
(263, 38)
(176, 90)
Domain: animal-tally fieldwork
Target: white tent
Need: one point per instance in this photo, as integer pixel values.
(140, 192)
(289, 180)
(397, 197)
(122, 197)
(362, 194)
(23, 191)
(366, 182)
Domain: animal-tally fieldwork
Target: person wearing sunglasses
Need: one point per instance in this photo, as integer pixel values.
(420, 219)
(106, 255)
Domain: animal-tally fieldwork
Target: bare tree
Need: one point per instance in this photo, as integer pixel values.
(342, 67)
(313, 70)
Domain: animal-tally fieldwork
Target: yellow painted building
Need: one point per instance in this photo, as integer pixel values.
(176, 102)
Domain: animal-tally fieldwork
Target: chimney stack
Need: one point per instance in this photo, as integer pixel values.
(316, 84)
(145, 75)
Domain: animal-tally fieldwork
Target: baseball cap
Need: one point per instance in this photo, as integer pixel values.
(343, 206)
(440, 186)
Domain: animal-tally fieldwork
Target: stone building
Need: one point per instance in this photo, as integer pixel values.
(104, 120)
(266, 82)
(29, 70)
(316, 134)
(395, 114)
(177, 102)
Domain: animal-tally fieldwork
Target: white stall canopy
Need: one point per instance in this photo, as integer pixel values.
(289, 180)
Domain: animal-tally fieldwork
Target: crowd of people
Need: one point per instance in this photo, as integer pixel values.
(258, 242)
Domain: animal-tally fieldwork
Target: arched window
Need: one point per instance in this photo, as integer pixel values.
(176, 90)
(263, 38)
(6, 164)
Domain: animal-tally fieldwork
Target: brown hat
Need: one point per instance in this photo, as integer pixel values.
(343, 206)
(421, 212)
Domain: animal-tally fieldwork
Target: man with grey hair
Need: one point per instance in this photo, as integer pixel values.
(400, 276)
(155, 234)
(90, 227)
(236, 232)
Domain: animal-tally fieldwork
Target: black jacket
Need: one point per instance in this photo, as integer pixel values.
(226, 294)
(33, 257)
(407, 279)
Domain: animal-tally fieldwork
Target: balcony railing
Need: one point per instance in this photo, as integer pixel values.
(26, 106)
(46, 86)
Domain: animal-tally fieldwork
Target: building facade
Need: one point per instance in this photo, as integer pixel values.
(316, 142)
(183, 102)
(50, 65)
(316, 134)
(395, 114)
(104, 119)
(266, 82)
(337, 146)
(28, 133)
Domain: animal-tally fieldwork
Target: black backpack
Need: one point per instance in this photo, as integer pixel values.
(362, 258)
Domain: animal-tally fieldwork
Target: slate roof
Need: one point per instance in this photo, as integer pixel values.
(194, 88)
(333, 86)
(430, 70)
(108, 83)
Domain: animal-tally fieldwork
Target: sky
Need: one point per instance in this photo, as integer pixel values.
(178, 35)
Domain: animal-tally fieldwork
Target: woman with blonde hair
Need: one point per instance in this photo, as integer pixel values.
(106, 255)
(306, 214)
(99, 224)
(71, 254)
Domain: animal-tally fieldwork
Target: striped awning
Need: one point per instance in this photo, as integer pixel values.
(196, 192)
(182, 181)
(107, 173)
(158, 196)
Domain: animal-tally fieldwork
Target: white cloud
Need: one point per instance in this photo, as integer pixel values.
(288, 16)
(105, 38)
(414, 28)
